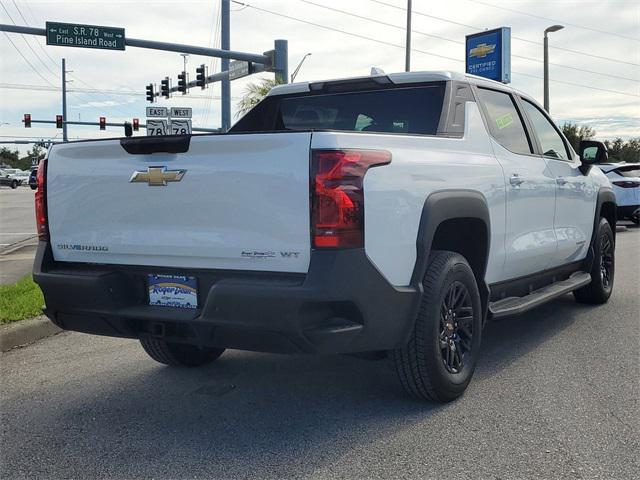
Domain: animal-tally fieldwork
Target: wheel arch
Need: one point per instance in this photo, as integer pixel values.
(444, 215)
(606, 207)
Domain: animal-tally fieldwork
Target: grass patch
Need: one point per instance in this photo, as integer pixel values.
(20, 300)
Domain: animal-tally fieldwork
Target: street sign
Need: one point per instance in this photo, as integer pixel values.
(84, 36)
(488, 54)
(239, 69)
(161, 112)
(156, 127)
(181, 112)
(180, 127)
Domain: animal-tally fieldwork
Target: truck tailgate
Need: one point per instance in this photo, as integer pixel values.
(241, 204)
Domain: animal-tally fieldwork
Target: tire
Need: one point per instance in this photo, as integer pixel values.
(603, 269)
(14, 184)
(426, 365)
(178, 354)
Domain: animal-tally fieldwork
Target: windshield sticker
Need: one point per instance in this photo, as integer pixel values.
(504, 121)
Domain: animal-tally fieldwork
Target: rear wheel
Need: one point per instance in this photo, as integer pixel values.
(603, 269)
(438, 362)
(14, 184)
(178, 354)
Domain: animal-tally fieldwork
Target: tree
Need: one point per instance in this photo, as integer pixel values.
(254, 93)
(575, 134)
(8, 157)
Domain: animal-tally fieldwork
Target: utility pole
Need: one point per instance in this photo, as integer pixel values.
(407, 57)
(65, 137)
(225, 44)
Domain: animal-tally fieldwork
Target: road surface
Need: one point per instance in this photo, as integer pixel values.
(17, 215)
(555, 395)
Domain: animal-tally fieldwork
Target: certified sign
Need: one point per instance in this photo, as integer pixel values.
(161, 112)
(156, 127)
(180, 112)
(488, 54)
(180, 127)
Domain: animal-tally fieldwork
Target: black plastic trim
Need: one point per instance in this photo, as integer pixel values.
(342, 305)
(605, 195)
(156, 144)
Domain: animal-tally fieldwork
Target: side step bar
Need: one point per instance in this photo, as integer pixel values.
(509, 306)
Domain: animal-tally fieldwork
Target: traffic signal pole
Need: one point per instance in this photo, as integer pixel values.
(65, 136)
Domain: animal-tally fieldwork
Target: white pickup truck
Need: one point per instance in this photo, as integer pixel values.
(387, 214)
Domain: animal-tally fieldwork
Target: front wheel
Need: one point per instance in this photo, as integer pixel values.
(14, 184)
(178, 354)
(438, 361)
(603, 269)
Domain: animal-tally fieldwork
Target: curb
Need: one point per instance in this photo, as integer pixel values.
(25, 242)
(25, 332)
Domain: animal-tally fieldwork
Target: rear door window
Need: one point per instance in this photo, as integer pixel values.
(408, 110)
(504, 121)
(550, 140)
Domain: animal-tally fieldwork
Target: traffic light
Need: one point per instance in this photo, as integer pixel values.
(103, 123)
(164, 88)
(58, 121)
(136, 124)
(182, 82)
(128, 131)
(201, 76)
(27, 120)
(150, 93)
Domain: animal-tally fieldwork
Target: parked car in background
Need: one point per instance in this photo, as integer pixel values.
(23, 176)
(33, 178)
(7, 179)
(625, 179)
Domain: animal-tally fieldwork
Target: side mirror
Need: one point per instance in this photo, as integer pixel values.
(592, 152)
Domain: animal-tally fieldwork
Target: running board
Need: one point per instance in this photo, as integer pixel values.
(509, 306)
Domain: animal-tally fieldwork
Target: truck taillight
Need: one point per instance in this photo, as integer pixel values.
(337, 201)
(42, 223)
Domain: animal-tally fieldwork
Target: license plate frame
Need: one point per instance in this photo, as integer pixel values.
(173, 291)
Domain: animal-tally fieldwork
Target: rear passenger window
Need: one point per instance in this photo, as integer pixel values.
(504, 121)
(550, 140)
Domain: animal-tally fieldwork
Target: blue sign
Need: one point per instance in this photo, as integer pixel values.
(488, 54)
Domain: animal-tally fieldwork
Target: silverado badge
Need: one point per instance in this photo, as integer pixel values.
(157, 176)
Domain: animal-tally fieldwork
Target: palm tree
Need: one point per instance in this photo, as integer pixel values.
(254, 93)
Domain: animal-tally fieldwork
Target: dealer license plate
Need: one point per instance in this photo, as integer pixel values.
(173, 291)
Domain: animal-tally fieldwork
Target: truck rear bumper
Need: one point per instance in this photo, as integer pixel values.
(342, 305)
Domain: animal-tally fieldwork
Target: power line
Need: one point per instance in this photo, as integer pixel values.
(53, 88)
(460, 42)
(364, 37)
(522, 12)
(475, 27)
(25, 59)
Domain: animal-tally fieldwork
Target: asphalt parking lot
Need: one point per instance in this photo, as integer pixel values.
(555, 395)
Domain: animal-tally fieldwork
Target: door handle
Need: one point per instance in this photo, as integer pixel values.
(561, 181)
(516, 180)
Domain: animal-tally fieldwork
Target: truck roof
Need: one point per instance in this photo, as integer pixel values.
(396, 78)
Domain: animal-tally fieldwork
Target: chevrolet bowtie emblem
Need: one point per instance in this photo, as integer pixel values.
(482, 50)
(157, 176)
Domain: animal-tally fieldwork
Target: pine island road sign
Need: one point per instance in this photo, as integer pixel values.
(84, 36)
(156, 127)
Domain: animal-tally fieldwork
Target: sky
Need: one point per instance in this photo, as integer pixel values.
(595, 59)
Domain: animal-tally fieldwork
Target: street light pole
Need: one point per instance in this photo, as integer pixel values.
(553, 28)
(407, 53)
(297, 69)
